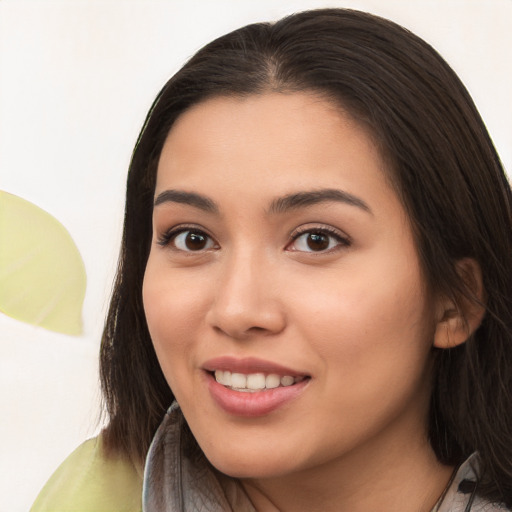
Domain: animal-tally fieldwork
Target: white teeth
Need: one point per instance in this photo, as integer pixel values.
(287, 380)
(238, 380)
(272, 381)
(254, 381)
(223, 377)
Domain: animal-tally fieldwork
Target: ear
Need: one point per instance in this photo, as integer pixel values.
(457, 322)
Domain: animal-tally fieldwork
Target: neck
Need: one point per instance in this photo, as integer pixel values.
(395, 478)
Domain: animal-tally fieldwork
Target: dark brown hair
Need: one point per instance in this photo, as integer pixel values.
(445, 170)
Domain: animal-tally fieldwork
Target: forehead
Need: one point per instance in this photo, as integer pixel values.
(271, 143)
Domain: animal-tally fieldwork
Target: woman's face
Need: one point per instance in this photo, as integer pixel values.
(282, 257)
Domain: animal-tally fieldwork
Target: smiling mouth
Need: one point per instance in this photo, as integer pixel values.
(254, 382)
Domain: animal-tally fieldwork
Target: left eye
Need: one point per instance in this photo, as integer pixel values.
(190, 240)
(317, 241)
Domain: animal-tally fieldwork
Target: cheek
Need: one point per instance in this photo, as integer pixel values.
(374, 322)
(173, 310)
(374, 343)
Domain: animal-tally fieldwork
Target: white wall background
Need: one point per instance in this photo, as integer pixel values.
(76, 79)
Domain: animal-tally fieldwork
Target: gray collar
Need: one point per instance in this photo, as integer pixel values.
(462, 496)
(179, 478)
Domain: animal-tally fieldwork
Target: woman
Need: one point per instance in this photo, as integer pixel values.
(315, 267)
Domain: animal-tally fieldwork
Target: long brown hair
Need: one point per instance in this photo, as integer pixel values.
(445, 170)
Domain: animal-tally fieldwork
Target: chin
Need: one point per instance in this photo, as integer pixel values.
(254, 464)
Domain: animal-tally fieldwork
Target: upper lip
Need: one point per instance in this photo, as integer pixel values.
(249, 365)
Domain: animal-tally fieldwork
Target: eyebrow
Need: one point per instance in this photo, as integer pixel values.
(310, 198)
(189, 198)
(277, 206)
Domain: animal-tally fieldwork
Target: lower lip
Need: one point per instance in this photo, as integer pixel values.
(252, 404)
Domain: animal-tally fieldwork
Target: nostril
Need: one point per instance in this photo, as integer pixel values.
(241, 334)
(256, 329)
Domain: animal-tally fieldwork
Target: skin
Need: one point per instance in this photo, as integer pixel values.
(356, 317)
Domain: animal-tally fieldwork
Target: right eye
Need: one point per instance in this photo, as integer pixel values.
(187, 240)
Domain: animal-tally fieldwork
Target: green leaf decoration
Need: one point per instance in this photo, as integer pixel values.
(42, 275)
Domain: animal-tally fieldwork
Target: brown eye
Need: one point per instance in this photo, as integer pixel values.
(317, 241)
(192, 241)
(195, 241)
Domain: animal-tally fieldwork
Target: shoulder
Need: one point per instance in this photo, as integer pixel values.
(89, 481)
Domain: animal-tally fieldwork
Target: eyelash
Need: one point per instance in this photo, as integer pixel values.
(168, 237)
(341, 239)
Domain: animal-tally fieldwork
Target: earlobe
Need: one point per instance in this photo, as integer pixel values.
(456, 322)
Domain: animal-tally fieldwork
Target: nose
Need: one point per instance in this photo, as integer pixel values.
(246, 300)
